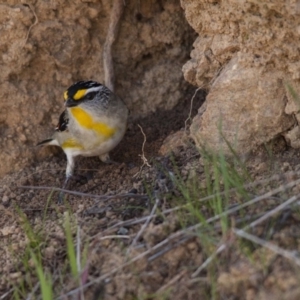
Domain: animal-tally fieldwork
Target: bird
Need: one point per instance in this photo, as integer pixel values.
(93, 123)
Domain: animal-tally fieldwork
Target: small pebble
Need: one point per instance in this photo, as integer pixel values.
(5, 199)
(122, 231)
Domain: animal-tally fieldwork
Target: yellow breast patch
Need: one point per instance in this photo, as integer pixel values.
(71, 143)
(86, 121)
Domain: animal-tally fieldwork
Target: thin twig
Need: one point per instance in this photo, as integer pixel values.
(286, 176)
(113, 271)
(287, 254)
(144, 225)
(171, 282)
(101, 197)
(226, 213)
(35, 288)
(251, 225)
(78, 250)
(215, 228)
(78, 260)
(236, 208)
(6, 294)
(122, 196)
(272, 212)
(209, 260)
(107, 237)
(186, 238)
(191, 229)
(169, 247)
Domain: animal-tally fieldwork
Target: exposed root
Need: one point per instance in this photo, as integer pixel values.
(144, 159)
(191, 108)
(36, 20)
(115, 16)
(203, 86)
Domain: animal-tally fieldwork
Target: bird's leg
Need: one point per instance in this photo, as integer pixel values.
(62, 193)
(69, 174)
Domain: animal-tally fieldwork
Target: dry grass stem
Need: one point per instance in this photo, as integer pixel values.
(281, 188)
(6, 294)
(144, 226)
(188, 236)
(272, 212)
(171, 282)
(101, 197)
(169, 247)
(287, 254)
(78, 261)
(131, 261)
(191, 229)
(31, 295)
(108, 237)
(264, 217)
(78, 245)
(209, 260)
(135, 221)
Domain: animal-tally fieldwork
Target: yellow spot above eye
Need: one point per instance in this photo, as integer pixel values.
(66, 95)
(86, 121)
(79, 94)
(71, 143)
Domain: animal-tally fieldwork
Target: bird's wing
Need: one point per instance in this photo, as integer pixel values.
(62, 122)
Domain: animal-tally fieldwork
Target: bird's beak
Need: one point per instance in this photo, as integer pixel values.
(71, 103)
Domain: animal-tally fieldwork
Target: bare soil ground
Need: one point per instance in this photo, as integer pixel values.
(133, 256)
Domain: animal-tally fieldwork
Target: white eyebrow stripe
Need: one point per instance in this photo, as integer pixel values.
(93, 89)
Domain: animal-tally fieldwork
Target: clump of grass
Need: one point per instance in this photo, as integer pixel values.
(32, 259)
(71, 253)
(200, 201)
(38, 278)
(44, 278)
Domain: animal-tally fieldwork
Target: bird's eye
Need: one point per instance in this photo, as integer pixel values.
(90, 96)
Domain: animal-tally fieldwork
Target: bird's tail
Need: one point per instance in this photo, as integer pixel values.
(48, 142)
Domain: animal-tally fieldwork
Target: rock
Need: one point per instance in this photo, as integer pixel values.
(174, 142)
(8, 230)
(245, 55)
(122, 231)
(49, 252)
(5, 199)
(293, 137)
(244, 106)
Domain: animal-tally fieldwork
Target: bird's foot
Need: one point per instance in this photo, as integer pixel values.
(61, 195)
(107, 160)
